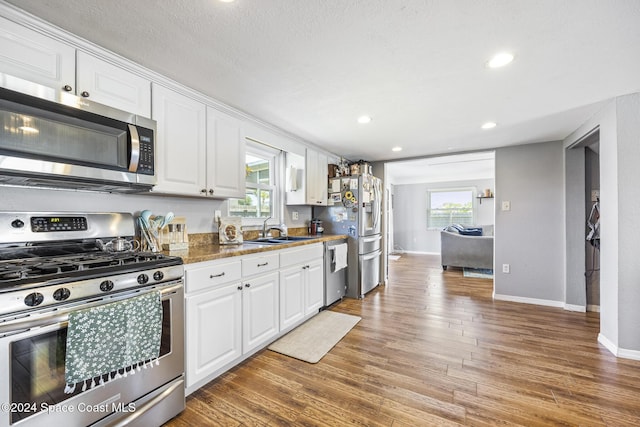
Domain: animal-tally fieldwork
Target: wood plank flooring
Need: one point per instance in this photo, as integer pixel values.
(434, 349)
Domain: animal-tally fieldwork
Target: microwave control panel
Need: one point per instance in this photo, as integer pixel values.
(145, 164)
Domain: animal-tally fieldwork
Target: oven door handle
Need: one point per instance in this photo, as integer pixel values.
(140, 410)
(61, 318)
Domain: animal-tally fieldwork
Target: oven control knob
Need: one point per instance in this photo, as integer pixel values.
(34, 299)
(158, 275)
(61, 294)
(17, 223)
(143, 278)
(106, 286)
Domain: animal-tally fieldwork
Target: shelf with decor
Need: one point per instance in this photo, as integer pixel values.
(480, 198)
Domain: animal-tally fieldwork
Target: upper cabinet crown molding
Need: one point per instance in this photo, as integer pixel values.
(38, 51)
(34, 57)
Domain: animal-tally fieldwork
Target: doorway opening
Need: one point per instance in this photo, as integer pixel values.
(415, 220)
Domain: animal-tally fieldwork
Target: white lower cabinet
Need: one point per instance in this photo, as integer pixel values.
(314, 286)
(291, 296)
(236, 306)
(301, 283)
(259, 311)
(214, 330)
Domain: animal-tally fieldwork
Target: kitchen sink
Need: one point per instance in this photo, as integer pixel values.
(279, 240)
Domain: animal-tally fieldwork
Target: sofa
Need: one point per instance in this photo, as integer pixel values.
(460, 248)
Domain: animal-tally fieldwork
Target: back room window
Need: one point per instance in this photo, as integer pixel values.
(452, 206)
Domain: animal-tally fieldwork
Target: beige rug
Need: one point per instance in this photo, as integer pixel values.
(314, 338)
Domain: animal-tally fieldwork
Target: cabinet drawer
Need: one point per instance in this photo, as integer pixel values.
(300, 254)
(211, 274)
(260, 264)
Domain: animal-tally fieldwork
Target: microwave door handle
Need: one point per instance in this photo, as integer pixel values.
(135, 148)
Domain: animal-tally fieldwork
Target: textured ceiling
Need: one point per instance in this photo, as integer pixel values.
(311, 67)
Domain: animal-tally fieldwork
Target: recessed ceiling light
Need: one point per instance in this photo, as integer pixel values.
(364, 119)
(500, 60)
(489, 125)
(396, 149)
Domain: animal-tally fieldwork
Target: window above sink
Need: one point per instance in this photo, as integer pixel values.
(262, 197)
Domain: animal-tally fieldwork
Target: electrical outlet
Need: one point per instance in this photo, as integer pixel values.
(506, 205)
(506, 268)
(294, 215)
(217, 215)
(595, 195)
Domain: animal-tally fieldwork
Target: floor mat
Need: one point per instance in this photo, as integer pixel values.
(314, 338)
(480, 273)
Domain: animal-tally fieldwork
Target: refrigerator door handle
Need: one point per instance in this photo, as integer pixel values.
(378, 195)
(372, 255)
(373, 238)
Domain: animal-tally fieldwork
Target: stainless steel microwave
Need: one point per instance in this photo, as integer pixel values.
(54, 139)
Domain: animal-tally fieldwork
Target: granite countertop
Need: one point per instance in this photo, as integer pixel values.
(213, 251)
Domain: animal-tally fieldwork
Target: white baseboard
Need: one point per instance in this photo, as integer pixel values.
(545, 302)
(617, 351)
(593, 308)
(608, 344)
(573, 307)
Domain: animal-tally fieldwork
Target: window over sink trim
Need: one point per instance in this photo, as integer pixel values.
(263, 199)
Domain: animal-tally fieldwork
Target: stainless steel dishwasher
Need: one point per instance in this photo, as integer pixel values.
(335, 282)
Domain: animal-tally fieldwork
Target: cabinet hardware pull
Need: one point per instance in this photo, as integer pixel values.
(262, 265)
(239, 288)
(216, 275)
(247, 285)
(67, 88)
(85, 94)
(210, 191)
(204, 191)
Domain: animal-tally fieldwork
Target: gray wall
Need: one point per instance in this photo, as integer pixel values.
(529, 237)
(619, 131)
(410, 214)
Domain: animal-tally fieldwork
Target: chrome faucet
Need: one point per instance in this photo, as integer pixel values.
(282, 228)
(264, 227)
(266, 231)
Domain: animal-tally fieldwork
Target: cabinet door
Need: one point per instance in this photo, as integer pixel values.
(214, 331)
(225, 155)
(314, 286)
(260, 298)
(108, 84)
(180, 143)
(292, 299)
(37, 58)
(316, 171)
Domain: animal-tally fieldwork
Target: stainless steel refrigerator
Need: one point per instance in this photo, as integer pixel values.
(355, 209)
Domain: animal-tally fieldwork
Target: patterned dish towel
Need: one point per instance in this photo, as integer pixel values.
(122, 335)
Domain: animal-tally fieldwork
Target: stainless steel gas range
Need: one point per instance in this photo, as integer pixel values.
(58, 270)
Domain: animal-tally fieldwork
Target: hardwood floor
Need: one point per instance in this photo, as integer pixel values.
(434, 349)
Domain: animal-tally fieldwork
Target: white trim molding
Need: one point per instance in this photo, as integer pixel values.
(573, 307)
(536, 301)
(617, 351)
(593, 308)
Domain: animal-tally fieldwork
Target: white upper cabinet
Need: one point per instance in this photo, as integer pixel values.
(306, 178)
(108, 84)
(316, 178)
(225, 155)
(29, 55)
(180, 143)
